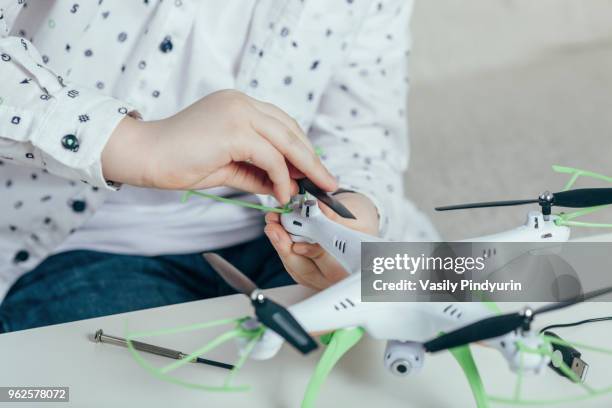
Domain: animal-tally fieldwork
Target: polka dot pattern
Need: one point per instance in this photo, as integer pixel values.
(88, 64)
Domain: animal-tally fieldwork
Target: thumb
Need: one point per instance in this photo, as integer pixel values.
(331, 269)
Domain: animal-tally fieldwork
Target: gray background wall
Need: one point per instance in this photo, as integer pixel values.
(500, 91)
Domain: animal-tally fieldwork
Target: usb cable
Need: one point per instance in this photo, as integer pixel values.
(568, 355)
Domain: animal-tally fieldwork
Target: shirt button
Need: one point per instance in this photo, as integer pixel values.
(21, 256)
(78, 206)
(70, 142)
(166, 45)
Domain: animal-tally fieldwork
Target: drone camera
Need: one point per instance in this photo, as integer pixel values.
(404, 357)
(401, 367)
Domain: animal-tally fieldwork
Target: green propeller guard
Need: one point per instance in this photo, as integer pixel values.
(464, 357)
(240, 203)
(566, 218)
(338, 343)
(163, 372)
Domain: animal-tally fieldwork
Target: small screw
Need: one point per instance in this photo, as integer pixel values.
(257, 296)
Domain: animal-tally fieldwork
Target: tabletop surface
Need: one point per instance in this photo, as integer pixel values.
(103, 375)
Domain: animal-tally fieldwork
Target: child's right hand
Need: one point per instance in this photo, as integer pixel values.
(225, 139)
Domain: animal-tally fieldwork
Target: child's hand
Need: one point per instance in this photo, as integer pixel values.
(224, 139)
(310, 264)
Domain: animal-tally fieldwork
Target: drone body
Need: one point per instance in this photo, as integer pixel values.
(307, 223)
(405, 325)
(410, 328)
(537, 229)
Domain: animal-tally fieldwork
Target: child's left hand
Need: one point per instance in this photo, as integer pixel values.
(309, 264)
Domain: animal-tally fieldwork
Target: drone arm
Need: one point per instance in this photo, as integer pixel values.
(535, 229)
(508, 344)
(343, 243)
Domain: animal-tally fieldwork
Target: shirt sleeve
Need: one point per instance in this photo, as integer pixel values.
(45, 121)
(361, 124)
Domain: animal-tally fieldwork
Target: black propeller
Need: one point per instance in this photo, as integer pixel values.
(499, 325)
(268, 312)
(579, 198)
(331, 202)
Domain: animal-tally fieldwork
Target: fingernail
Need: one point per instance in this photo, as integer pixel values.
(334, 180)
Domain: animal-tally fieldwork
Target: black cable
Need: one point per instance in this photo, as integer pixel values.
(569, 355)
(592, 320)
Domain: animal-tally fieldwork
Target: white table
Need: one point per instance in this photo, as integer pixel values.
(103, 375)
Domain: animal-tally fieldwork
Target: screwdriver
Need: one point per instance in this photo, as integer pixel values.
(100, 337)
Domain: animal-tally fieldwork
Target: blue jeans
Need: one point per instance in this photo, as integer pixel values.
(83, 284)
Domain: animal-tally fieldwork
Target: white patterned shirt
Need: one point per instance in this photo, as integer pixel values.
(71, 70)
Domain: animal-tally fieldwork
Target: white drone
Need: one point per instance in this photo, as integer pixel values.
(410, 328)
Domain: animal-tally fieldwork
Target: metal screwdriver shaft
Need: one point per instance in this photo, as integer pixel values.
(100, 337)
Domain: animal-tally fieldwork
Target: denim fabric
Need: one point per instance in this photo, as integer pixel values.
(83, 284)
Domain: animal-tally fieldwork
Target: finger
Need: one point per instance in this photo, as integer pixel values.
(295, 173)
(262, 154)
(283, 117)
(272, 218)
(294, 150)
(294, 186)
(301, 269)
(331, 269)
(241, 176)
(254, 180)
(288, 121)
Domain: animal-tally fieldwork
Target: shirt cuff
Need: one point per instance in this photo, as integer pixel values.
(72, 134)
